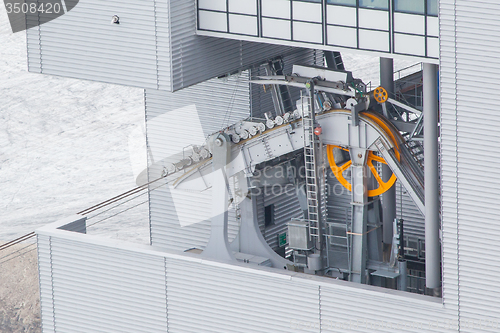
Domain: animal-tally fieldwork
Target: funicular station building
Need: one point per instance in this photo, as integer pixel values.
(285, 193)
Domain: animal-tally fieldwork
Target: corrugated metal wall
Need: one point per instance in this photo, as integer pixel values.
(215, 298)
(199, 58)
(218, 103)
(413, 220)
(84, 44)
(345, 309)
(97, 286)
(286, 207)
(33, 49)
(449, 155)
(155, 45)
(101, 289)
(470, 178)
(45, 280)
(338, 199)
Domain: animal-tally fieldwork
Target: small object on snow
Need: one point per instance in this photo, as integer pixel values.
(115, 19)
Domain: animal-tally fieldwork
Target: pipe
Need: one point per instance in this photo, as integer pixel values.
(432, 223)
(389, 197)
(403, 273)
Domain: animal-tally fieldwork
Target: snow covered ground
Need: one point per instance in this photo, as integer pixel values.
(64, 143)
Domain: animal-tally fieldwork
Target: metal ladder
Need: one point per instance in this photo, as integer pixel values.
(334, 60)
(313, 205)
(340, 241)
(417, 151)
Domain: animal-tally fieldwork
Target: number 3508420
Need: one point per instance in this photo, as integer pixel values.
(32, 8)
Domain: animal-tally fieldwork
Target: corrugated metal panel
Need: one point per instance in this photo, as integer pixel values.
(84, 44)
(45, 280)
(105, 289)
(155, 46)
(33, 49)
(414, 221)
(218, 103)
(338, 203)
(449, 159)
(163, 48)
(211, 297)
(101, 287)
(350, 309)
(476, 141)
(286, 207)
(198, 58)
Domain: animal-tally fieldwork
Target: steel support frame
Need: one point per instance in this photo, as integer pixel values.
(218, 246)
(359, 202)
(359, 193)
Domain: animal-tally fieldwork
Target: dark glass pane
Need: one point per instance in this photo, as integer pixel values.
(375, 4)
(410, 6)
(269, 215)
(343, 2)
(432, 7)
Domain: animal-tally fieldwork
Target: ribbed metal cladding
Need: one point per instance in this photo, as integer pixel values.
(102, 286)
(469, 52)
(211, 297)
(163, 47)
(449, 158)
(413, 220)
(348, 309)
(199, 58)
(45, 280)
(338, 203)
(33, 49)
(218, 103)
(84, 44)
(105, 289)
(155, 46)
(286, 207)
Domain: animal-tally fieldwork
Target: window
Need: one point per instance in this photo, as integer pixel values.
(269, 215)
(343, 2)
(432, 7)
(374, 4)
(410, 6)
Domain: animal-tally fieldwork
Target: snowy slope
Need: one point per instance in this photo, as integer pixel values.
(64, 142)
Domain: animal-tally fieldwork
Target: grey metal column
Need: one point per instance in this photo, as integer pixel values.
(432, 225)
(359, 179)
(389, 197)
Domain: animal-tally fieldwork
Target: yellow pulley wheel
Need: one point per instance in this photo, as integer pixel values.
(380, 95)
(339, 170)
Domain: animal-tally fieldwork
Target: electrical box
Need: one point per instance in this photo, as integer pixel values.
(298, 235)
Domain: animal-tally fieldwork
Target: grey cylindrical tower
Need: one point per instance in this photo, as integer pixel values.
(432, 223)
